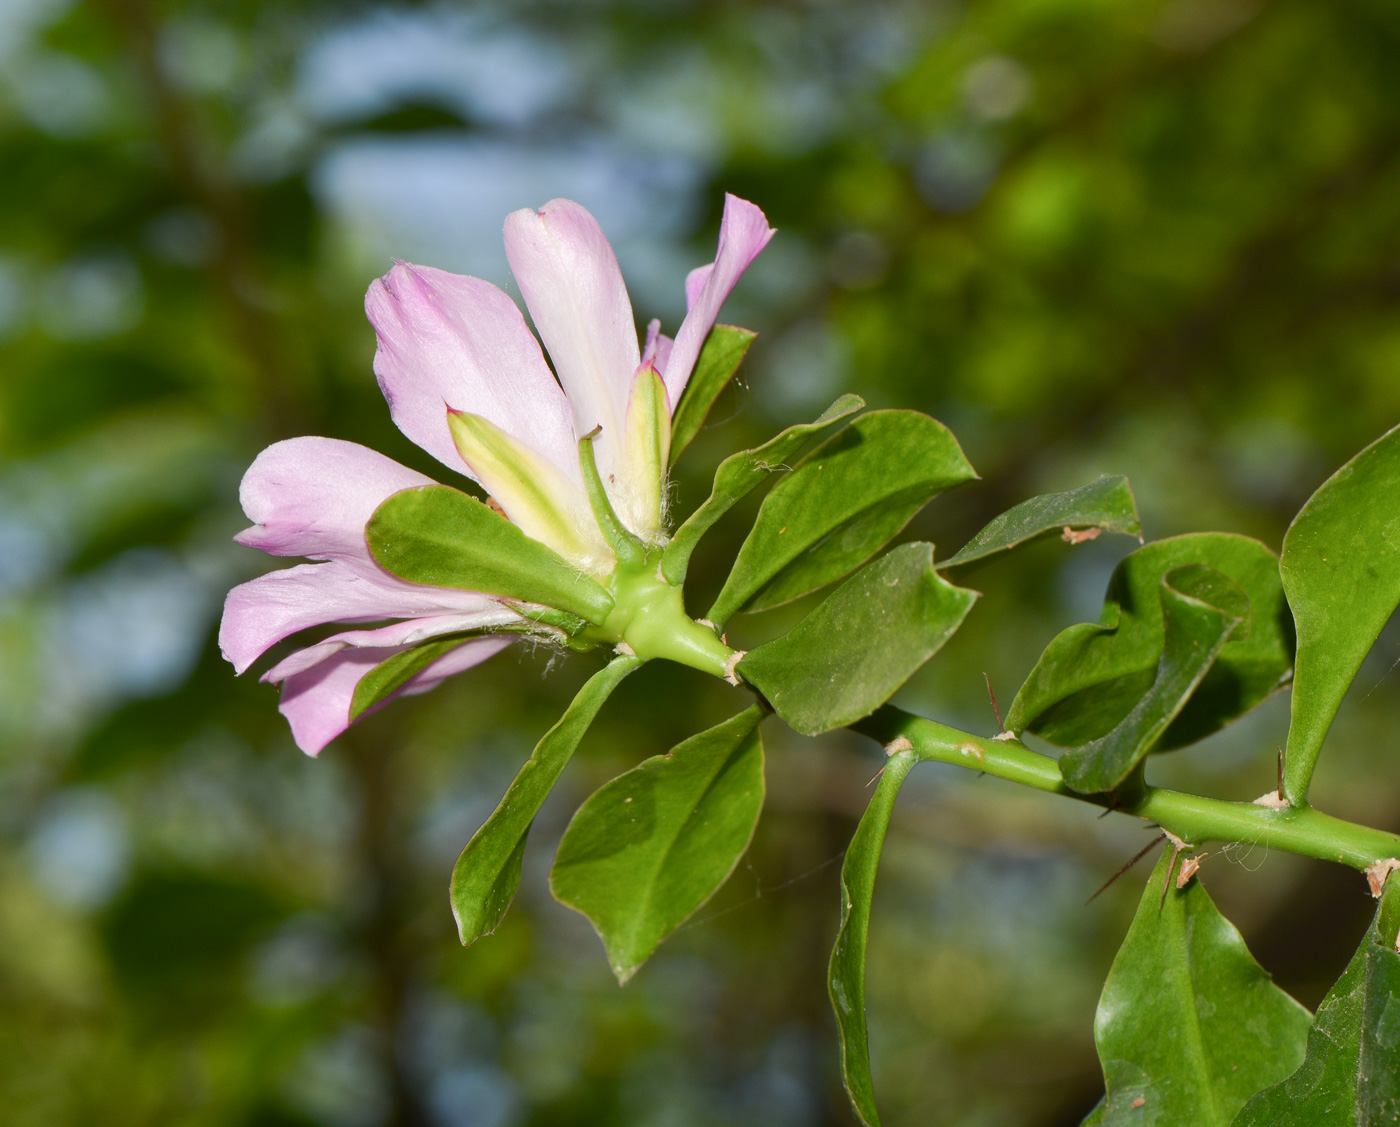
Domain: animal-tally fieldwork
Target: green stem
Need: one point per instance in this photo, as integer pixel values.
(1194, 819)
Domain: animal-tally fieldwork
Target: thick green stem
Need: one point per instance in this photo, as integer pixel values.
(1194, 819)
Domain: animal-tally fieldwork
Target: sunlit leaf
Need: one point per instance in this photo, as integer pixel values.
(719, 359)
(846, 974)
(856, 648)
(1189, 1026)
(738, 475)
(442, 537)
(1092, 675)
(1351, 1074)
(650, 847)
(1104, 505)
(1201, 608)
(840, 505)
(487, 873)
(1341, 570)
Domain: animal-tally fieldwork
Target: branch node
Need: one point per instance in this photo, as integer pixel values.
(1378, 871)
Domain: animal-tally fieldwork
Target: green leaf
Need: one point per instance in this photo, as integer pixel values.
(487, 873)
(1351, 1074)
(440, 536)
(840, 505)
(1189, 1026)
(647, 849)
(390, 675)
(1201, 608)
(853, 652)
(1341, 570)
(719, 359)
(1105, 504)
(1092, 675)
(738, 475)
(846, 974)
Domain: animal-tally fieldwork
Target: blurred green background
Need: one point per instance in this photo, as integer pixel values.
(1090, 235)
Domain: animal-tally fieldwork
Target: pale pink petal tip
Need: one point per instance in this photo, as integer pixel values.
(743, 233)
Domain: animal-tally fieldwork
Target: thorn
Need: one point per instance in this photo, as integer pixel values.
(996, 709)
(878, 773)
(1282, 801)
(1177, 847)
(1143, 852)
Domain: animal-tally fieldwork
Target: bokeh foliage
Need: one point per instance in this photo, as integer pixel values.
(1092, 236)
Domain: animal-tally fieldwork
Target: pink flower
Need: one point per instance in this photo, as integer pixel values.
(466, 380)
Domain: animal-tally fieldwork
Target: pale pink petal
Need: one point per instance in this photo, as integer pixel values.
(263, 611)
(569, 277)
(408, 633)
(317, 702)
(695, 284)
(743, 232)
(447, 340)
(313, 497)
(657, 350)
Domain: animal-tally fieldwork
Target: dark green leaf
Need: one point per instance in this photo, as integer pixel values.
(487, 873)
(1201, 608)
(1091, 676)
(840, 505)
(1341, 570)
(852, 653)
(719, 359)
(442, 537)
(846, 974)
(1105, 504)
(647, 849)
(1351, 1074)
(740, 473)
(1189, 1026)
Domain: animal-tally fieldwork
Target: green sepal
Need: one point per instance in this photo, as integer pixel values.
(1341, 571)
(839, 506)
(442, 537)
(1106, 504)
(487, 873)
(846, 972)
(854, 651)
(1350, 1076)
(391, 674)
(650, 847)
(719, 359)
(1201, 608)
(629, 550)
(1091, 676)
(1189, 1026)
(738, 475)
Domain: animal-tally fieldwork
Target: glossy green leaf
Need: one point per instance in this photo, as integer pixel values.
(1341, 570)
(846, 973)
(840, 505)
(1189, 1026)
(719, 359)
(1201, 608)
(862, 643)
(650, 847)
(1351, 1074)
(487, 873)
(440, 536)
(1106, 504)
(1092, 675)
(738, 475)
